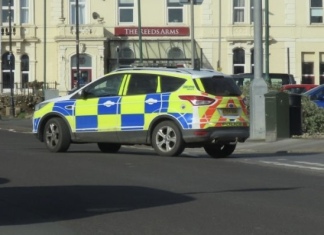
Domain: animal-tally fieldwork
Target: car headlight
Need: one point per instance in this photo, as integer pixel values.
(40, 105)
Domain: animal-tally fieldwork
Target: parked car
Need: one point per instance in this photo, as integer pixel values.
(276, 79)
(316, 95)
(297, 88)
(169, 109)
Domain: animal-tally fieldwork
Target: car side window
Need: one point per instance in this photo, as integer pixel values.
(106, 86)
(140, 84)
(170, 84)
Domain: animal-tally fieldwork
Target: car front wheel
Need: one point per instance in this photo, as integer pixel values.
(56, 135)
(219, 150)
(167, 139)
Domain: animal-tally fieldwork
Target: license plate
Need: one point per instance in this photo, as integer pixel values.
(230, 112)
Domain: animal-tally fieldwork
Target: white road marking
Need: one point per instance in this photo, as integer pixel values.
(294, 165)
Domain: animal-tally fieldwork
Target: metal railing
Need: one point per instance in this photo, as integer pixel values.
(29, 88)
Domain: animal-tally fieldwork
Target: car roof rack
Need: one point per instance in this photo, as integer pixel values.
(195, 73)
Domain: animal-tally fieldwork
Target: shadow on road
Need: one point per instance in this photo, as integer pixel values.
(4, 181)
(27, 205)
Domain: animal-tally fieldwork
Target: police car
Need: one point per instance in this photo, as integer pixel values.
(168, 109)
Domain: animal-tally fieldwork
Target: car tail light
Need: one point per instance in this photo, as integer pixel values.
(197, 100)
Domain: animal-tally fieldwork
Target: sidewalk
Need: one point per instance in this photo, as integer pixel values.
(289, 145)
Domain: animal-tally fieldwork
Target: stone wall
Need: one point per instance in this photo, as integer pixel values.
(22, 104)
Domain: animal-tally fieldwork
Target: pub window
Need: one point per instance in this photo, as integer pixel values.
(126, 11)
(5, 11)
(252, 61)
(316, 11)
(24, 71)
(82, 11)
(175, 53)
(175, 11)
(5, 67)
(24, 11)
(322, 73)
(307, 72)
(238, 60)
(238, 10)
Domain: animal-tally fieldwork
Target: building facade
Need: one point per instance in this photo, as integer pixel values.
(40, 43)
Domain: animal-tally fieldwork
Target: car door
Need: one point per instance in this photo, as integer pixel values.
(97, 110)
(138, 105)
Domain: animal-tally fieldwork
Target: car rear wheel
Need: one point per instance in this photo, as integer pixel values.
(56, 135)
(167, 139)
(219, 150)
(108, 147)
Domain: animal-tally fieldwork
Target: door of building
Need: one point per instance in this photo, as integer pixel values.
(85, 77)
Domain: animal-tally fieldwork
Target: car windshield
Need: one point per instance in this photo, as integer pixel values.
(221, 86)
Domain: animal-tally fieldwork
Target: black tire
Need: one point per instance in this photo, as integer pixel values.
(219, 150)
(57, 135)
(108, 147)
(167, 139)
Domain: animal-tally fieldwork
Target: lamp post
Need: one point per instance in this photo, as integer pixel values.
(192, 30)
(266, 49)
(140, 31)
(11, 60)
(77, 42)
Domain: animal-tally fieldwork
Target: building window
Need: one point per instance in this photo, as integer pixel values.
(175, 11)
(307, 73)
(5, 67)
(252, 11)
(316, 11)
(252, 60)
(24, 71)
(24, 12)
(243, 11)
(238, 11)
(322, 73)
(175, 53)
(126, 11)
(238, 60)
(5, 11)
(82, 12)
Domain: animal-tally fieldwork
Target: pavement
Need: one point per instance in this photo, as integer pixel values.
(298, 144)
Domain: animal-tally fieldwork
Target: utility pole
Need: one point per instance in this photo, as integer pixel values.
(11, 60)
(258, 86)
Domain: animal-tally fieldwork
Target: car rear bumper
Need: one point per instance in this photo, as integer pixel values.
(226, 134)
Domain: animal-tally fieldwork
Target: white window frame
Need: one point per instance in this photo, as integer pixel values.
(26, 9)
(239, 65)
(120, 8)
(83, 16)
(247, 11)
(6, 8)
(319, 12)
(239, 9)
(174, 8)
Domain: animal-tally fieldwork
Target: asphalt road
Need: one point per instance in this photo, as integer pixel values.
(86, 192)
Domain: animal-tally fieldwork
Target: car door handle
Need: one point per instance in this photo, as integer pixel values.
(69, 107)
(151, 101)
(109, 103)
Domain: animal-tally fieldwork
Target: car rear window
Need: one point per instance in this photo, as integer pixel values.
(220, 86)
